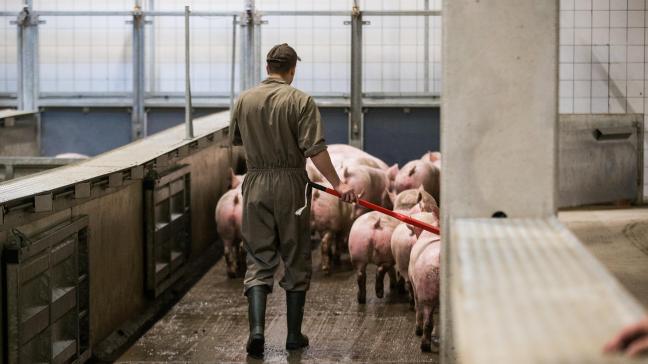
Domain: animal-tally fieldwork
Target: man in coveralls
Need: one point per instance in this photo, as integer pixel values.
(279, 127)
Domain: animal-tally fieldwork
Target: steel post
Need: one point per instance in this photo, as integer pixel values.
(188, 116)
(250, 47)
(151, 50)
(356, 117)
(27, 58)
(233, 65)
(426, 49)
(138, 116)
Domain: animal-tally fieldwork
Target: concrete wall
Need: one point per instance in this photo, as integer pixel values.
(209, 172)
(20, 139)
(117, 242)
(116, 254)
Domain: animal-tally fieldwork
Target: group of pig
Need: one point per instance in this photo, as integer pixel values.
(407, 254)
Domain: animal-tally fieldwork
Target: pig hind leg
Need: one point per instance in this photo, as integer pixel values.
(419, 314)
(393, 279)
(410, 292)
(231, 258)
(428, 316)
(400, 283)
(337, 246)
(326, 248)
(435, 335)
(242, 261)
(380, 281)
(361, 272)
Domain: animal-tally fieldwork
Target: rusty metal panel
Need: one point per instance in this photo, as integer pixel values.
(46, 280)
(168, 227)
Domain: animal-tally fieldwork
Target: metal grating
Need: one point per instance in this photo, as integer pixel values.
(168, 227)
(47, 288)
(527, 291)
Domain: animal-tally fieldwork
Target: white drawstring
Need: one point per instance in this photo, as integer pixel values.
(306, 190)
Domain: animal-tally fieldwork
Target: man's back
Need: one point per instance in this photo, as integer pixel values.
(278, 125)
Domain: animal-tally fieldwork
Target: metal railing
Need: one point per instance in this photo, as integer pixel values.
(250, 22)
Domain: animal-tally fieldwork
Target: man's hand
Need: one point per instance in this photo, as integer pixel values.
(632, 340)
(346, 193)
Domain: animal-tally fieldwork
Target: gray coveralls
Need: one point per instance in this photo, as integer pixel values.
(279, 127)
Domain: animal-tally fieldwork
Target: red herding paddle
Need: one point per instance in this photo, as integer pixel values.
(404, 218)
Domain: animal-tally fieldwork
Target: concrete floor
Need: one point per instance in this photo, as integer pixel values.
(210, 324)
(619, 239)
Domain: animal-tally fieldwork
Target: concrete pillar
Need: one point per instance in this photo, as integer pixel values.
(499, 117)
(27, 59)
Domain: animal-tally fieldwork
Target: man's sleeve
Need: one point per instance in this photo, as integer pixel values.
(310, 132)
(234, 131)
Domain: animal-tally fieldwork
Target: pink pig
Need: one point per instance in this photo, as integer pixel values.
(370, 184)
(419, 173)
(404, 235)
(331, 218)
(349, 152)
(369, 242)
(424, 273)
(228, 215)
(432, 157)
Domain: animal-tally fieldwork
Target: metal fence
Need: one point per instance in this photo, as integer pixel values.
(114, 57)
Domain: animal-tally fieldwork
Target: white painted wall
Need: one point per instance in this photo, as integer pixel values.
(603, 57)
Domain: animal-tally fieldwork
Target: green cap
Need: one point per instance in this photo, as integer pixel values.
(283, 53)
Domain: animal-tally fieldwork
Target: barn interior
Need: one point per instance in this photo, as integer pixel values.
(115, 152)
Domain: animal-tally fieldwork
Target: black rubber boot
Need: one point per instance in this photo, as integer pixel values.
(257, 296)
(295, 301)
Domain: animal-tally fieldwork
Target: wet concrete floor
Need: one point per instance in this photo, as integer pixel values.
(618, 237)
(210, 324)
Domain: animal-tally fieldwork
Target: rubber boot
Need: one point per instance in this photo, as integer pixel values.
(295, 301)
(257, 296)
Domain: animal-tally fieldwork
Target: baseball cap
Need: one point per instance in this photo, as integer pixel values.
(282, 53)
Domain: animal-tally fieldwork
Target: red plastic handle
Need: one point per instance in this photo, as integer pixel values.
(404, 218)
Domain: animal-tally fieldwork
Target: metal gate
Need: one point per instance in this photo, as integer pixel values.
(47, 288)
(168, 227)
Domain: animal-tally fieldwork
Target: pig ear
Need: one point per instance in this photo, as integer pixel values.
(411, 229)
(392, 171)
(377, 224)
(234, 181)
(392, 196)
(419, 198)
(412, 171)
